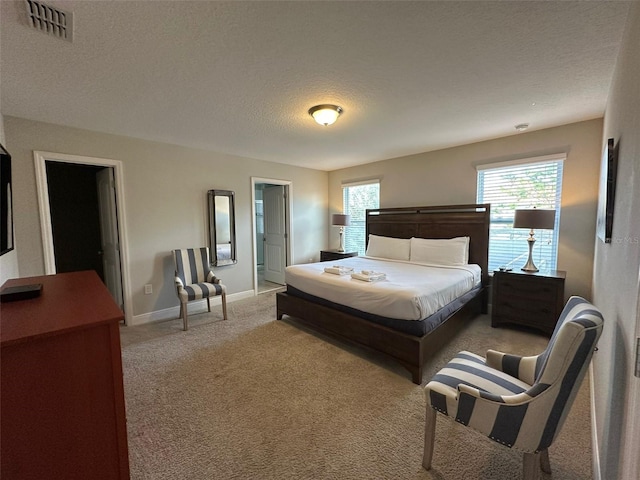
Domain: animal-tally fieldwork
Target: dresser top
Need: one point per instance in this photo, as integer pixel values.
(69, 301)
(541, 273)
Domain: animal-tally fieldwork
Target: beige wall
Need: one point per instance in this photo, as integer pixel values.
(165, 195)
(449, 177)
(616, 276)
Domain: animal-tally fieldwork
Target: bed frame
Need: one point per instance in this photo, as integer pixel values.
(426, 222)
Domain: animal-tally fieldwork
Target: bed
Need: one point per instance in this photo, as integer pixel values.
(410, 335)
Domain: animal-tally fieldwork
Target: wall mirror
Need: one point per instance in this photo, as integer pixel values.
(222, 227)
(6, 205)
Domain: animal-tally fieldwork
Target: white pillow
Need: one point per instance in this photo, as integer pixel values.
(452, 251)
(388, 247)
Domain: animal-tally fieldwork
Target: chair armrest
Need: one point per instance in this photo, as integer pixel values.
(507, 400)
(178, 282)
(478, 394)
(211, 277)
(501, 417)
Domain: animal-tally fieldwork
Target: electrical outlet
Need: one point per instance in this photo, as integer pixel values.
(148, 289)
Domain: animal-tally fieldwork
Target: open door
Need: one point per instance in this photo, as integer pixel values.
(633, 462)
(116, 269)
(275, 234)
(109, 234)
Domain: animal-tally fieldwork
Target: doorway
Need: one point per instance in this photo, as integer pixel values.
(75, 225)
(81, 208)
(271, 205)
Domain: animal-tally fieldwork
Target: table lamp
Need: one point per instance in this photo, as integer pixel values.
(341, 220)
(532, 219)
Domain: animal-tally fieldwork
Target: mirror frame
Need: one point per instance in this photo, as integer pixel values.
(6, 202)
(215, 260)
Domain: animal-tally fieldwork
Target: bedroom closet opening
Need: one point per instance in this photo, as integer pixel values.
(84, 227)
(271, 233)
(82, 198)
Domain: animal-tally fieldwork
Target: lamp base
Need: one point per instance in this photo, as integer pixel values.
(530, 266)
(530, 269)
(341, 248)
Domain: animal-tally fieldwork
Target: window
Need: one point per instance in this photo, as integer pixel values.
(356, 199)
(507, 186)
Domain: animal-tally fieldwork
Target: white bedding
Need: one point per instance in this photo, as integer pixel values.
(410, 291)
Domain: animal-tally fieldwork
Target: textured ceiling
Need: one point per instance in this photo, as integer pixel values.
(238, 77)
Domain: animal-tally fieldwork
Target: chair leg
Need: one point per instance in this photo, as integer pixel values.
(183, 308)
(429, 437)
(209, 303)
(544, 461)
(224, 305)
(531, 466)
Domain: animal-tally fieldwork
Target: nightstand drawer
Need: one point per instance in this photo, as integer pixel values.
(530, 299)
(529, 287)
(532, 313)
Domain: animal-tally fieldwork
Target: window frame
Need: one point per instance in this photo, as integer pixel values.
(514, 251)
(356, 232)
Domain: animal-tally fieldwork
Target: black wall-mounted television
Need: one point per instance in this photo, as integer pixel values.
(607, 196)
(6, 203)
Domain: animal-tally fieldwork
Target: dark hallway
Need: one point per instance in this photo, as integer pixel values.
(75, 219)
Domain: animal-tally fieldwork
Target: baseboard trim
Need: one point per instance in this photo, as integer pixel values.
(199, 306)
(595, 446)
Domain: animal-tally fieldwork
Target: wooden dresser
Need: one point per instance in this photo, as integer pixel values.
(62, 396)
(531, 299)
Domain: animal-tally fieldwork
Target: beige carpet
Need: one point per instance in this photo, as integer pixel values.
(257, 398)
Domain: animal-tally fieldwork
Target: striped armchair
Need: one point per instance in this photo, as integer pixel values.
(519, 402)
(195, 280)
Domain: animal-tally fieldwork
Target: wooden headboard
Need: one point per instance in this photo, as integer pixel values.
(445, 221)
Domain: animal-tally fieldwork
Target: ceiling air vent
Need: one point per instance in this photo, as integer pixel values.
(51, 20)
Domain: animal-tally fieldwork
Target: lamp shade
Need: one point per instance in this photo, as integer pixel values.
(535, 219)
(340, 220)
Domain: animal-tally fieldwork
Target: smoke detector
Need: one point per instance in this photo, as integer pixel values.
(50, 19)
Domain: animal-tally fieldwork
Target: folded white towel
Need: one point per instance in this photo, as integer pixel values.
(369, 276)
(338, 270)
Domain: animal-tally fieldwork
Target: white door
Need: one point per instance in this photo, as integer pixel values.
(109, 234)
(259, 231)
(275, 241)
(633, 445)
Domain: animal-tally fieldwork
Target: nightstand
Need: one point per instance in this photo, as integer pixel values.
(531, 299)
(329, 255)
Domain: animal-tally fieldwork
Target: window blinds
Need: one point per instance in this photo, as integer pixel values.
(357, 197)
(528, 183)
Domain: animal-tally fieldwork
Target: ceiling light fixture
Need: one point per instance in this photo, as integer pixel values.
(325, 114)
(521, 127)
